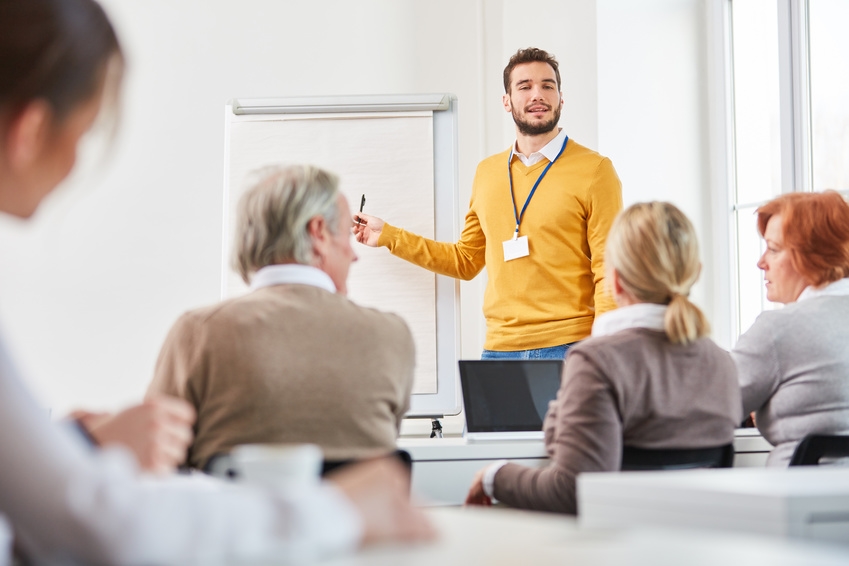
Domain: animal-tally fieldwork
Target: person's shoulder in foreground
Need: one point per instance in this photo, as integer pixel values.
(68, 502)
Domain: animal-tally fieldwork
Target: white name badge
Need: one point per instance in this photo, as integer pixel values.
(514, 249)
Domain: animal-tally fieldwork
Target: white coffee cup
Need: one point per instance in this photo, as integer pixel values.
(278, 466)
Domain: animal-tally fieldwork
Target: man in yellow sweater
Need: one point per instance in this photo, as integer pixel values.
(538, 220)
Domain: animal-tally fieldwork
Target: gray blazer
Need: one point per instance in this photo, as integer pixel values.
(631, 388)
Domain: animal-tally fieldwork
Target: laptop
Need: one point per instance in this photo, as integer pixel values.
(507, 399)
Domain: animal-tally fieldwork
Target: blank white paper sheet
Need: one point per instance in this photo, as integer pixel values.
(386, 156)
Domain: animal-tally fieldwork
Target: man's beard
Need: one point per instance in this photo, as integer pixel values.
(536, 129)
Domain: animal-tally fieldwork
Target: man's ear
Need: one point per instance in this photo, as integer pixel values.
(28, 134)
(317, 228)
(505, 100)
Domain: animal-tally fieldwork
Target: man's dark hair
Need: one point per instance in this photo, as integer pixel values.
(529, 55)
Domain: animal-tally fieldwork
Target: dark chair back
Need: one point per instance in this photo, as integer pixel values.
(643, 459)
(402, 455)
(815, 447)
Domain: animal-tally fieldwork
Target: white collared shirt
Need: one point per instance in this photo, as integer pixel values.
(549, 152)
(292, 274)
(640, 315)
(837, 288)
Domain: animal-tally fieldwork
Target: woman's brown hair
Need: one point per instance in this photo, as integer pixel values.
(57, 51)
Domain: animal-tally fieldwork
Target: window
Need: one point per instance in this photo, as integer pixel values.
(829, 45)
(790, 116)
(757, 137)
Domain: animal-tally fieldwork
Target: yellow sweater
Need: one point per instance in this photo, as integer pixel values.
(551, 296)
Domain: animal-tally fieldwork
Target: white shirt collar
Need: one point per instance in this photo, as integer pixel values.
(549, 152)
(292, 274)
(640, 315)
(835, 289)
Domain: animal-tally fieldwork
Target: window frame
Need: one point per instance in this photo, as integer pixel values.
(795, 142)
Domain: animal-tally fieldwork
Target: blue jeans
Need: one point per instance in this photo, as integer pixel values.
(552, 353)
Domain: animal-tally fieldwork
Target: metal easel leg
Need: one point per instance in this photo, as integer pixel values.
(435, 429)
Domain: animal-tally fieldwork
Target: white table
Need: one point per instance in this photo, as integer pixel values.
(472, 536)
(443, 468)
(802, 502)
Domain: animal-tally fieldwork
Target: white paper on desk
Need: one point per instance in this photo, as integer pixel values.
(389, 158)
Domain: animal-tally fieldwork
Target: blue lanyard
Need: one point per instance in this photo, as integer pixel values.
(516, 213)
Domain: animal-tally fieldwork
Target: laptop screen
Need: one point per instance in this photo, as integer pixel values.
(508, 395)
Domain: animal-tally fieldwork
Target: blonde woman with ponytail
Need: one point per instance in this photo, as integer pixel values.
(653, 259)
(648, 377)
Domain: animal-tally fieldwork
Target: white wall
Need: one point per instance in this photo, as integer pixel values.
(90, 287)
(653, 118)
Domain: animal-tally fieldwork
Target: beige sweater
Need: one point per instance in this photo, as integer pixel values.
(631, 388)
(290, 363)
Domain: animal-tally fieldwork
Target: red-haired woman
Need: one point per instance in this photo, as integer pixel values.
(794, 362)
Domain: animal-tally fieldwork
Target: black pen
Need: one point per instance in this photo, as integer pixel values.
(362, 204)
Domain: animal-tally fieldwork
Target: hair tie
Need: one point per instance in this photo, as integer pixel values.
(675, 294)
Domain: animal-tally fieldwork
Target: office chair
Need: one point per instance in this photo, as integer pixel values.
(815, 447)
(402, 455)
(643, 459)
